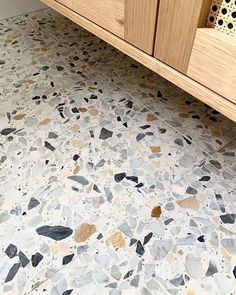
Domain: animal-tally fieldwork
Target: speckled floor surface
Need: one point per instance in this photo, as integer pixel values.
(112, 180)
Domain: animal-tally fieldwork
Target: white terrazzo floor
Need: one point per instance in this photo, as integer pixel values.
(112, 180)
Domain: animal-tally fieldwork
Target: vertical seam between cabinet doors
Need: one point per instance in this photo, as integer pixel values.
(155, 27)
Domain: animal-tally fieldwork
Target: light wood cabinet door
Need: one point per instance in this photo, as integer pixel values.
(140, 23)
(213, 62)
(131, 20)
(177, 24)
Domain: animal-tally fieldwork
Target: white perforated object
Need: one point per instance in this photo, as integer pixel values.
(222, 16)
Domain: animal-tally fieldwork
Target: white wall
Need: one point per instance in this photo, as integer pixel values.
(15, 7)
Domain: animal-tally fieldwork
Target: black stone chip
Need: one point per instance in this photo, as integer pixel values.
(12, 272)
(45, 68)
(105, 133)
(228, 218)
(145, 127)
(23, 259)
(67, 259)
(132, 242)
(96, 189)
(91, 133)
(190, 190)
(49, 146)
(76, 157)
(162, 130)
(139, 185)
(75, 110)
(179, 142)
(187, 140)
(3, 159)
(11, 250)
(67, 292)
(99, 237)
(56, 233)
(201, 239)
(36, 258)
(140, 136)
(33, 203)
(205, 178)
(140, 249)
(36, 97)
(149, 133)
(147, 238)
(75, 189)
(234, 272)
(128, 274)
(119, 177)
(168, 221)
(7, 131)
(132, 178)
(129, 104)
(60, 68)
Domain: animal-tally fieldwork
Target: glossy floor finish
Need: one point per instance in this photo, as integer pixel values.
(112, 180)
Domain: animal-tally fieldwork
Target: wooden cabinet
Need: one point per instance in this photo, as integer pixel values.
(213, 62)
(131, 20)
(169, 37)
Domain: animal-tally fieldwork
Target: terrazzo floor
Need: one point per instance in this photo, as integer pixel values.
(112, 180)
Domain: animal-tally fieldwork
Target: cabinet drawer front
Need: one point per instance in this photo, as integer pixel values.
(131, 20)
(108, 14)
(213, 62)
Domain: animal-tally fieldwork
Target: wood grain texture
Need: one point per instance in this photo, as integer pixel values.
(106, 13)
(176, 28)
(206, 5)
(213, 62)
(201, 92)
(140, 23)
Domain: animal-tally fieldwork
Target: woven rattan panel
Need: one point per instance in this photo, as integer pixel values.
(223, 16)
